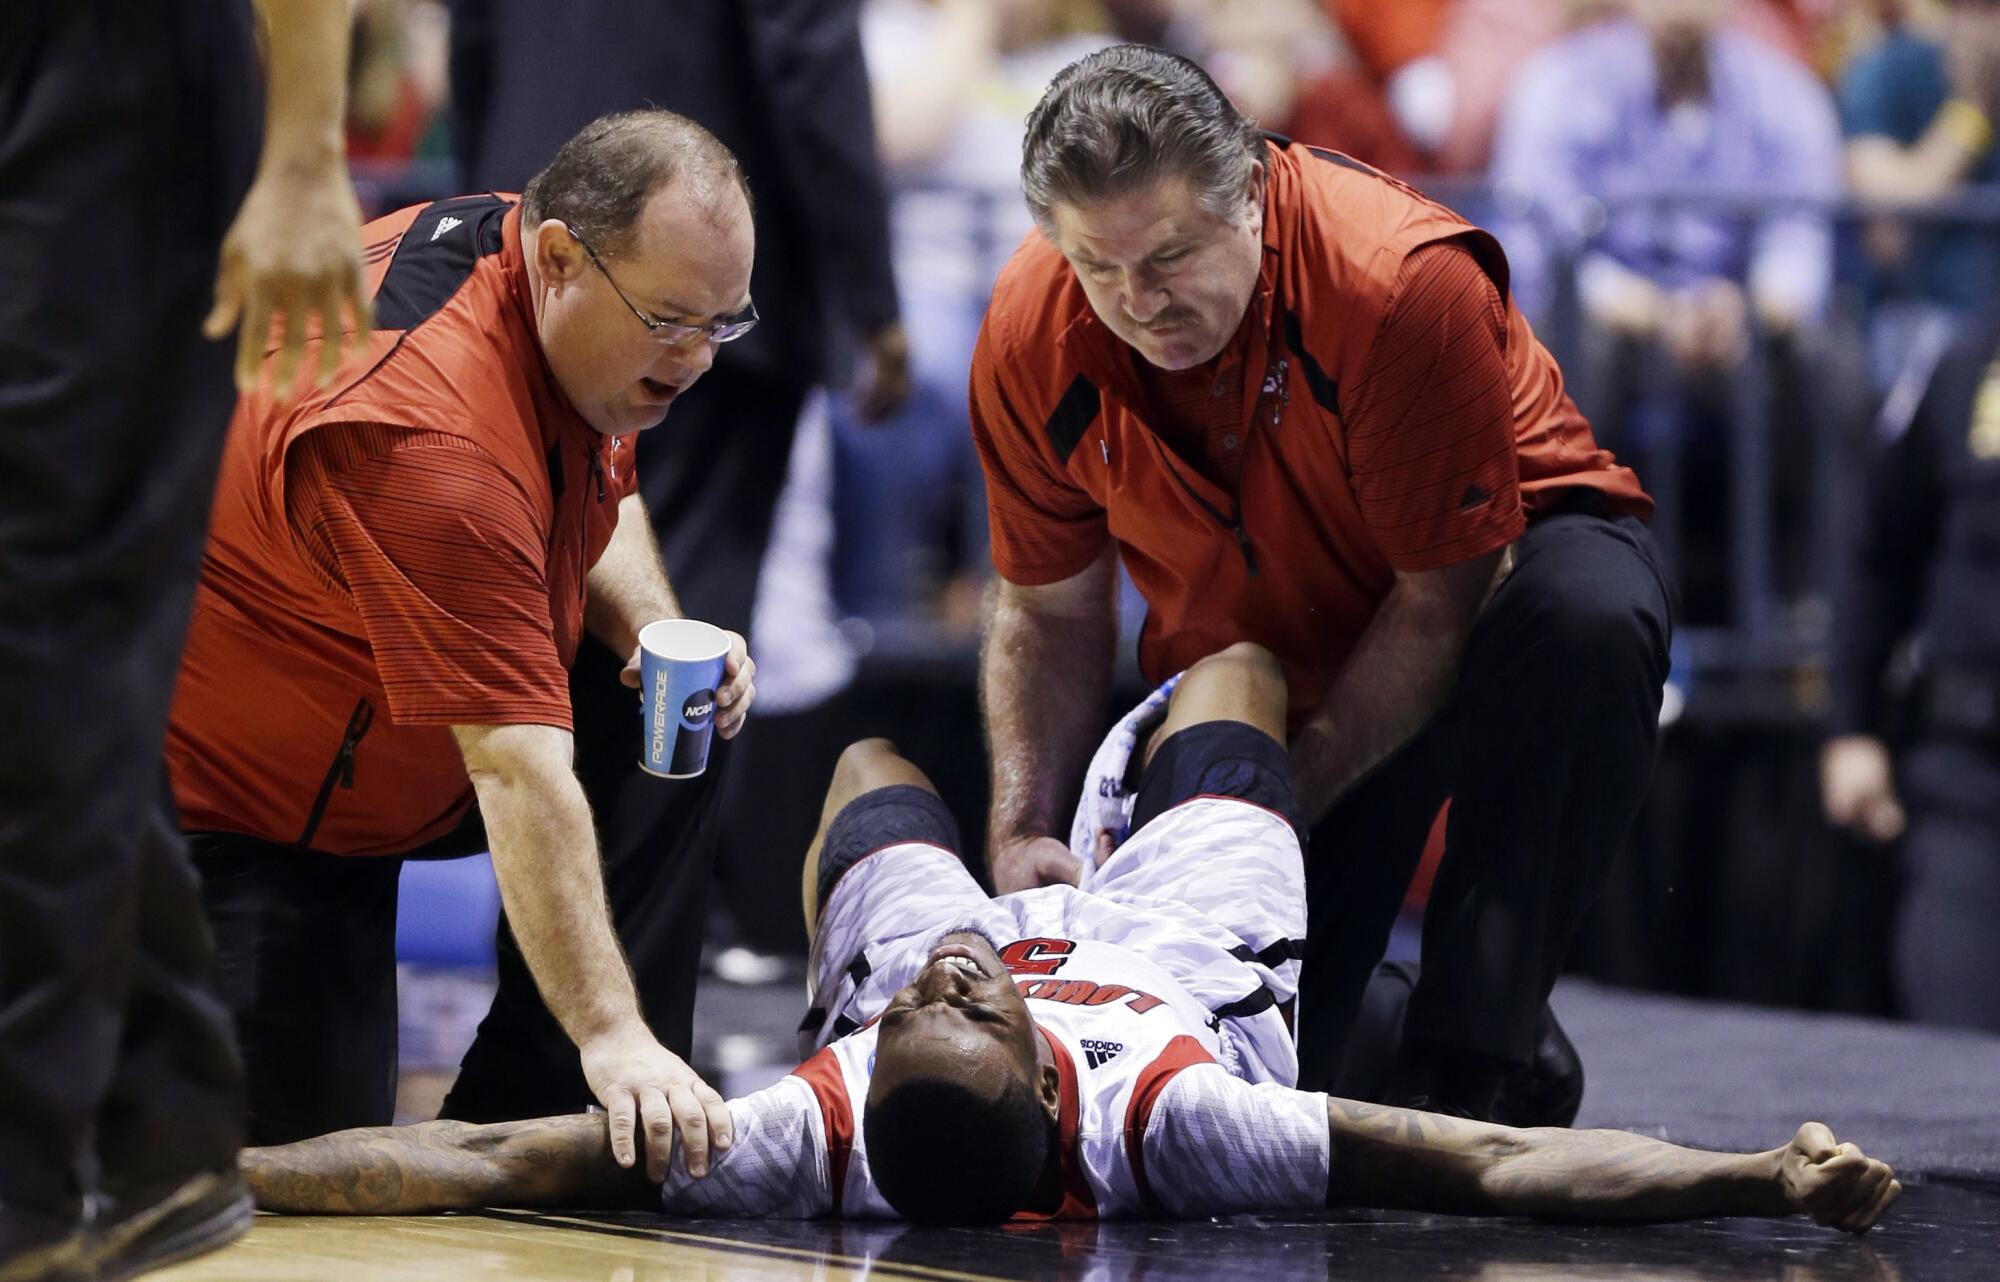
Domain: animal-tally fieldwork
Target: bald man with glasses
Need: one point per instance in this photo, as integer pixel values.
(400, 569)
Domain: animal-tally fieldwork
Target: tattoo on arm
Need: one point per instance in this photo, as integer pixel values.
(1402, 1158)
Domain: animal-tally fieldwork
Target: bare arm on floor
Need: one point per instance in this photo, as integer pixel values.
(446, 1166)
(1392, 1157)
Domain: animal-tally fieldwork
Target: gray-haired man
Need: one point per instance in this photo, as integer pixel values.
(1294, 398)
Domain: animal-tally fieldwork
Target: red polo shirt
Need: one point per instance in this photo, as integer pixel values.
(399, 554)
(1384, 407)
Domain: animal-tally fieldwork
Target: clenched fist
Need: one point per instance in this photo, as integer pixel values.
(1837, 1184)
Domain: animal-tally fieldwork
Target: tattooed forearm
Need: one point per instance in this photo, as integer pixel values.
(1393, 1157)
(1398, 1157)
(439, 1166)
(361, 1172)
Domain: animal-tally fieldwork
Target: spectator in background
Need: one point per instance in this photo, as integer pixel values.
(1926, 570)
(1917, 108)
(782, 85)
(396, 81)
(1664, 100)
(1442, 66)
(1173, 25)
(953, 81)
(1285, 65)
(1610, 142)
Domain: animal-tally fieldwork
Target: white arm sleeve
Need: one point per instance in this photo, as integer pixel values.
(1217, 1145)
(777, 1166)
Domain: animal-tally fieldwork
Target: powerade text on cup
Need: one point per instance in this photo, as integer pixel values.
(680, 666)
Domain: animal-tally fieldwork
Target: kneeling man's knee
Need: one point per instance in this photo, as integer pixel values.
(1246, 660)
(860, 759)
(1244, 683)
(1601, 640)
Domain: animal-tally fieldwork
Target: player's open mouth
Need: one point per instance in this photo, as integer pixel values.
(658, 391)
(960, 958)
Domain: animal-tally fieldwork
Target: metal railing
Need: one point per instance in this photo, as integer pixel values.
(1801, 427)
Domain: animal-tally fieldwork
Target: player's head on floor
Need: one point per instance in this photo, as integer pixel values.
(962, 1100)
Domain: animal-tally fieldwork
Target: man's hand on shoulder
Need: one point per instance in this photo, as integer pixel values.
(738, 690)
(1024, 863)
(642, 1084)
(1837, 1184)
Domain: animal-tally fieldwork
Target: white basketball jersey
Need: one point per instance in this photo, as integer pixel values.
(1164, 1025)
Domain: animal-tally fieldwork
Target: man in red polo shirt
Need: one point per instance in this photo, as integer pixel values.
(1294, 398)
(400, 567)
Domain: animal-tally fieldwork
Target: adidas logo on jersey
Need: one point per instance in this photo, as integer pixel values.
(1097, 1054)
(445, 225)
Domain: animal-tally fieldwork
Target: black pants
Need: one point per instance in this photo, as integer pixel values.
(711, 475)
(127, 135)
(1947, 949)
(1545, 748)
(306, 947)
(521, 1063)
(306, 960)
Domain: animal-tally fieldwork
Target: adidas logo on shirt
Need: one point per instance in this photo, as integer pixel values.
(445, 225)
(1097, 1054)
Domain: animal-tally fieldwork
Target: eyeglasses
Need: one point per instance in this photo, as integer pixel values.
(672, 333)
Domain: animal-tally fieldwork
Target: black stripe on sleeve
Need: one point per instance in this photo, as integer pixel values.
(1072, 416)
(1322, 387)
(1283, 951)
(1255, 1004)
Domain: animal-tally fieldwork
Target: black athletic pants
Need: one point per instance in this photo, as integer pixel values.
(1947, 948)
(1545, 748)
(128, 131)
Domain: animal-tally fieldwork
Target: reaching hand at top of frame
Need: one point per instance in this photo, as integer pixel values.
(291, 270)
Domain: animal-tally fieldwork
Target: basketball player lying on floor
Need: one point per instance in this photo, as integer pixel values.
(1111, 1050)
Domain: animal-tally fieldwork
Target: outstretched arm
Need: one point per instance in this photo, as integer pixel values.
(447, 1166)
(1392, 1157)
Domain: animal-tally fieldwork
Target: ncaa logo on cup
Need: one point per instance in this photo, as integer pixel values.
(697, 709)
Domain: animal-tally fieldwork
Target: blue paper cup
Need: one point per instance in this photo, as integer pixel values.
(680, 668)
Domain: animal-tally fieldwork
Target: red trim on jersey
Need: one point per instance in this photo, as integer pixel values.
(1078, 1203)
(829, 1086)
(1153, 1079)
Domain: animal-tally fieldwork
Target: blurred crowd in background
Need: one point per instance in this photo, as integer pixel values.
(1736, 218)
(1749, 230)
